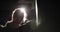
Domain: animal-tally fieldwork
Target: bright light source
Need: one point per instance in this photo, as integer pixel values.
(23, 10)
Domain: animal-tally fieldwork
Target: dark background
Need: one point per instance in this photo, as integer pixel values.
(48, 12)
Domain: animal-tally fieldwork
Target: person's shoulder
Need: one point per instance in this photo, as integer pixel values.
(25, 28)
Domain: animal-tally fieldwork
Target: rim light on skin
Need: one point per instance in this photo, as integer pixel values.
(23, 10)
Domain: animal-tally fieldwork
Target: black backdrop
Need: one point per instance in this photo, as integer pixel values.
(48, 11)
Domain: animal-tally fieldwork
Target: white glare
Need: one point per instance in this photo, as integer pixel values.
(22, 10)
(25, 14)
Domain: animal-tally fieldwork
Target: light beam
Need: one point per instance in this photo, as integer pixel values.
(37, 23)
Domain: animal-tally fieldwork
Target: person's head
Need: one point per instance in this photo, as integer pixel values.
(17, 18)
